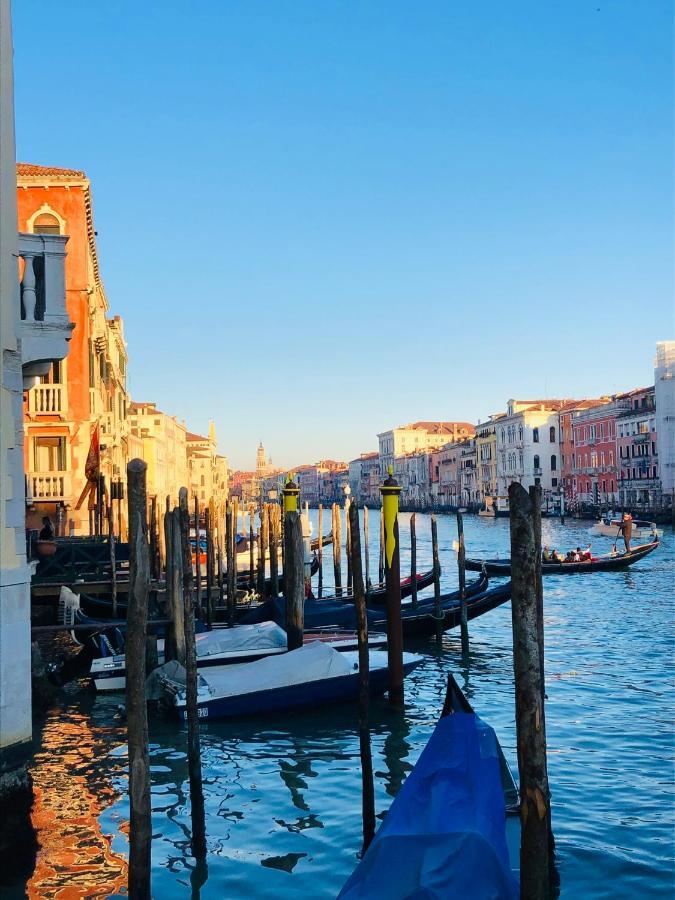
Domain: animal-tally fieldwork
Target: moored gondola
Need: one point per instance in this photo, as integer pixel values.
(608, 563)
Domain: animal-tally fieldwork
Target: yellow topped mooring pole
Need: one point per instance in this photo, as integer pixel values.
(290, 495)
(390, 491)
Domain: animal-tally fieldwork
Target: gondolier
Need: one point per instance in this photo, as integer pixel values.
(626, 529)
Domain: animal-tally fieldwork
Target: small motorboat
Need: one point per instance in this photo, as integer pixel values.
(453, 830)
(610, 526)
(315, 675)
(607, 563)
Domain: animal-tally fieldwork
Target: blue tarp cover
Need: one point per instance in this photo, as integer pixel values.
(444, 835)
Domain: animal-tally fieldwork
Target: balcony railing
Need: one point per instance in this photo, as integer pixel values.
(49, 399)
(47, 486)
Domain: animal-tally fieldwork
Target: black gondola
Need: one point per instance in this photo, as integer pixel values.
(502, 567)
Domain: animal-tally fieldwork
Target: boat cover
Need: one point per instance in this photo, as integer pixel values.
(444, 835)
(310, 662)
(264, 636)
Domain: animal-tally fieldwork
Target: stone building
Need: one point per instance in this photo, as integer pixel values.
(486, 458)
(417, 437)
(163, 442)
(207, 470)
(364, 479)
(664, 398)
(636, 451)
(34, 334)
(81, 401)
(528, 446)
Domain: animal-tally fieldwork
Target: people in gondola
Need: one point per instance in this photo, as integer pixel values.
(546, 556)
(586, 555)
(626, 529)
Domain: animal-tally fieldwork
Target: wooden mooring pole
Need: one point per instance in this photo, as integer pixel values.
(113, 562)
(198, 562)
(294, 580)
(231, 557)
(209, 568)
(413, 560)
(320, 552)
(274, 548)
(380, 568)
(177, 582)
(191, 708)
(392, 572)
(366, 550)
(337, 549)
(348, 545)
(368, 790)
(536, 859)
(251, 550)
(438, 612)
(461, 567)
(140, 824)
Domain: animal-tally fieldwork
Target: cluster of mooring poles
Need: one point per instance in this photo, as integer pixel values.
(285, 531)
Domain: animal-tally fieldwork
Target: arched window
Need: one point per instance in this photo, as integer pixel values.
(536, 463)
(502, 435)
(520, 432)
(46, 223)
(551, 434)
(554, 462)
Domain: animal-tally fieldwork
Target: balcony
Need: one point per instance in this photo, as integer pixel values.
(48, 399)
(536, 470)
(47, 487)
(44, 327)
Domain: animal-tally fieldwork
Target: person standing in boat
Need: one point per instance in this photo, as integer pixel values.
(626, 528)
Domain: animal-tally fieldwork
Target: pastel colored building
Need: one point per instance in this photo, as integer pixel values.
(364, 478)
(594, 456)
(419, 436)
(636, 441)
(664, 398)
(163, 441)
(486, 458)
(86, 392)
(527, 446)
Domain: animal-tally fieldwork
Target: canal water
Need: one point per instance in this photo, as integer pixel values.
(283, 793)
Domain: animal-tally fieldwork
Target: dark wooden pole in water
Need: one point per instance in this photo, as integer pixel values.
(368, 791)
(294, 580)
(251, 557)
(154, 541)
(536, 864)
(392, 573)
(231, 555)
(438, 611)
(320, 552)
(274, 548)
(170, 651)
(209, 569)
(140, 824)
(337, 549)
(366, 549)
(198, 562)
(191, 708)
(348, 544)
(380, 569)
(178, 580)
(413, 560)
(113, 562)
(461, 566)
(262, 550)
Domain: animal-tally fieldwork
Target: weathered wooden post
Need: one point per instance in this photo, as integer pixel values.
(413, 560)
(113, 562)
(251, 549)
(348, 544)
(198, 561)
(170, 651)
(274, 548)
(536, 863)
(262, 551)
(461, 566)
(191, 707)
(390, 491)
(209, 568)
(140, 825)
(337, 549)
(294, 579)
(154, 541)
(438, 611)
(231, 554)
(177, 582)
(368, 790)
(366, 549)
(320, 552)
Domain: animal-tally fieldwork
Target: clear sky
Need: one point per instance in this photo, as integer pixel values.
(321, 219)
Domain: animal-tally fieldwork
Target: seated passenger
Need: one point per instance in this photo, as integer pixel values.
(546, 556)
(586, 555)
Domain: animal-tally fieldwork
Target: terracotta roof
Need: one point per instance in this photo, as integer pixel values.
(440, 427)
(191, 436)
(28, 169)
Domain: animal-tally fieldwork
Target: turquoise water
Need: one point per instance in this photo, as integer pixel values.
(283, 795)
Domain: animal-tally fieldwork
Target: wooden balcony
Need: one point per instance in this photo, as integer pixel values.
(48, 487)
(48, 399)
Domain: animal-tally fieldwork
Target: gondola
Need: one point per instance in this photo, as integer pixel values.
(377, 595)
(502, 567)
(453, 830)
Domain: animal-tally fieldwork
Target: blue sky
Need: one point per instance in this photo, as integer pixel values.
(322, 219)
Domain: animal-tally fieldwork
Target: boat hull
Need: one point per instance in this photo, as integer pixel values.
(502, 568)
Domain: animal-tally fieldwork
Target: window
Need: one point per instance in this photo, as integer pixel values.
(46, 223)
(92, 365)
(54, 376)
(554, 482)
(551, 434)
(536, 463)
(535, 435)
(520, 432)
(49, 454)
(554, 463)
(203, 481)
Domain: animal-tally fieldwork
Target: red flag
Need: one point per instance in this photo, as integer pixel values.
(93, 464)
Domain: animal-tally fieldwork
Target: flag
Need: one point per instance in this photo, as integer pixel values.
(93, 464)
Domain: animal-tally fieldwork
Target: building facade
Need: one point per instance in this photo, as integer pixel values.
(364, 479)
(664, 398)
(34, 334)
(163, 441)
(207, 471)
(527, 444)
(486, 459)
(80, 402)
(594, 455)
(637, 453)
(419, 436)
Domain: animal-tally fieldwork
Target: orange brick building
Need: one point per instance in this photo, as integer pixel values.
(87, 390)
